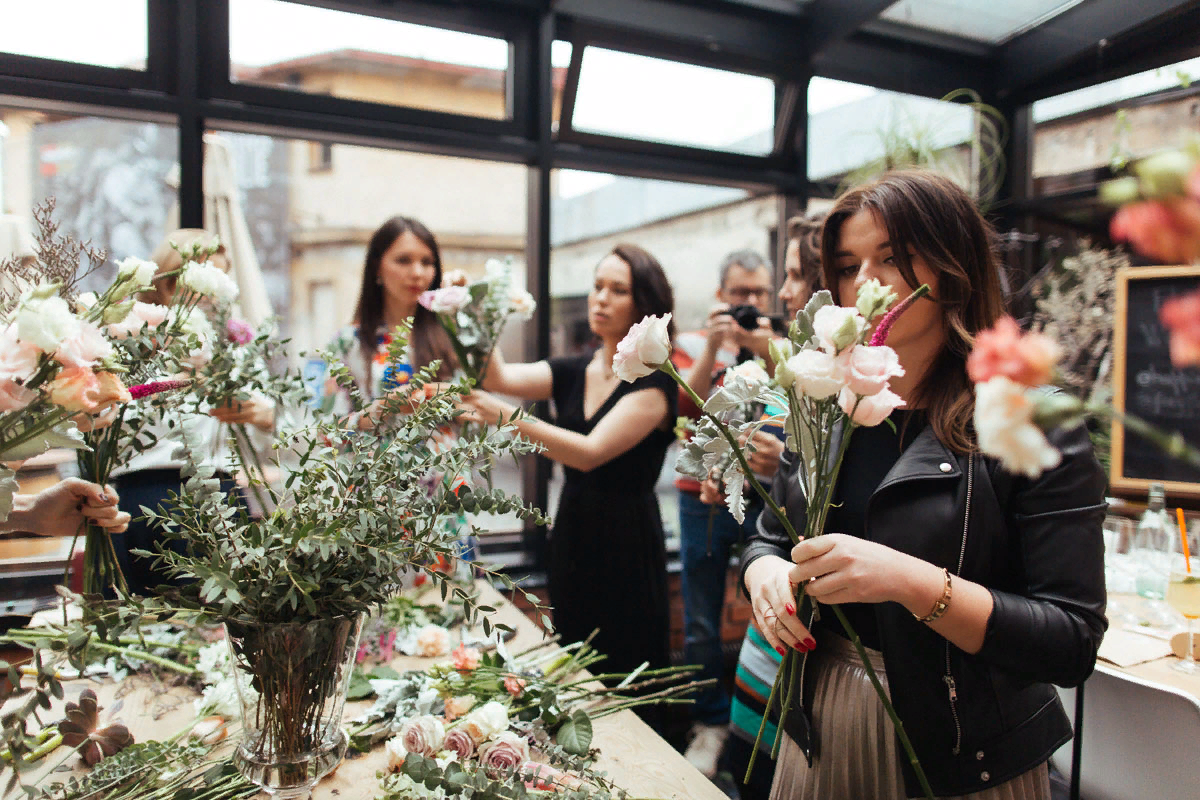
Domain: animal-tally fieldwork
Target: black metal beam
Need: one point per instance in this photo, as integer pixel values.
(589, 154)
(830, 21)
(566, 114)
(189, 67)
(1081, 34)
(903, 66)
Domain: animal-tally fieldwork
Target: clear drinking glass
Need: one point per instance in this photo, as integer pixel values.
(1183, 595)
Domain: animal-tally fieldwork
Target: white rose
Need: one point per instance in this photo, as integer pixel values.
(395, 753)
(749, 371)
(1003, 423)
(46, 322)
(871, 410)
(209, 280)
(816, 373)
(838, 327)
(486, 721)
(423, 735)
(646, 347)
(868, 369)
(433, 641)
(521, 303)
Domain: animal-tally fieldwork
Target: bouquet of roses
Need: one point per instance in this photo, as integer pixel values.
(832, 374)
(474, 313)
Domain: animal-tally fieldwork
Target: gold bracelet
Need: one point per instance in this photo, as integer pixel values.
(943, 602)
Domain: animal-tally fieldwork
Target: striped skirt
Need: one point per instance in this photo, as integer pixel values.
(860, 757)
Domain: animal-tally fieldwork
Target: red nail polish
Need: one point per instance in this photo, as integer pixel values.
(801, 648)
(781, 651)
(810, 643)
(789, 608)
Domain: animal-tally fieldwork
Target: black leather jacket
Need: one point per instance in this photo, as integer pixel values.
(978, 720)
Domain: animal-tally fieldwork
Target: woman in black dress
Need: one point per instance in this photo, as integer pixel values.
(607, 565)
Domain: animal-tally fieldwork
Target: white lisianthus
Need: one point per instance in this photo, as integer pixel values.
(868, 369)
(1004, 425)
(85, 301)
(84, 348)
(486, 721)
(134, 275)
(871, 410)
(874, 299)
(521, 303)
(395, 753)
(209, 280)
(645, 348)
(838, 327)
(815, 373)
(46, 322)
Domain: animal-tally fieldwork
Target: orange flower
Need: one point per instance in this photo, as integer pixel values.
(1181, 316)
(514, 685)
(75, 389)
(465, 658)
(1168, 230)
(1027, 359)
(110, 391)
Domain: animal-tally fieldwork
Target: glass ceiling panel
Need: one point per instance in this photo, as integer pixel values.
(66, 30)
(1172, 76)
(986, 21)
(656, 100)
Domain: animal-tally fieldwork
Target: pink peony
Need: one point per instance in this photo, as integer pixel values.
(423, 735)
(465, 658)
(239, 331)
(1181, 316)
(1168, 230)
(1027, 359)
(868, 369)
(84, 347)
(506, 751)
(645, 348)
(460, 743)
(514, 685)
(869, 411)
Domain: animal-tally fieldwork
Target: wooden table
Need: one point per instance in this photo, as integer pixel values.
(631, 753)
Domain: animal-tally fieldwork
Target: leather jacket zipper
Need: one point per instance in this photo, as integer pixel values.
(948, 678)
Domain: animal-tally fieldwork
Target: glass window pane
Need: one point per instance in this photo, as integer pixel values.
(688, 227)
(66, 30)
(638, 97)
(359, 57)
(109, 179)
(981, 20)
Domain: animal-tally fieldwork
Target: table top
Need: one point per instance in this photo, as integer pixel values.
(635, 757)
(1158, 670)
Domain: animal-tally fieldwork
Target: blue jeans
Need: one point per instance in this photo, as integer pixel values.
(707, 537)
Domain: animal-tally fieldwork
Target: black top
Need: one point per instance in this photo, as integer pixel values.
(872, 452)
(634, 470)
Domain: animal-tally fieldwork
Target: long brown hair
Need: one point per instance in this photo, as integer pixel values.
(928, 214)
(650, 290)
(429, 341)
(806, 230)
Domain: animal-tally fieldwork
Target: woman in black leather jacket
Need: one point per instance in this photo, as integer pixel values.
(974, 589)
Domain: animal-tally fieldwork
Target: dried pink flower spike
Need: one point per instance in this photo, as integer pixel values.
(879, 337)
(154, 387)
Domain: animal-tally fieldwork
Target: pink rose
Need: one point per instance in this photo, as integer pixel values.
(445, 301)
(869, 369)
(1027, 359)
(433, 641)
(460, 743)
(645, 348)
(423, 735)
(547, 777)
(838, 327)
(465, 658)
(84, 347)
(142, 315)
(514, 685)
(457, 706)
(816, 373)
(239, 331)
(1181, 316)
(507, 751)
(75, 389)
(869, 411)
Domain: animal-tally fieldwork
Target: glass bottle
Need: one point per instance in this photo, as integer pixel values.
(1152, 545)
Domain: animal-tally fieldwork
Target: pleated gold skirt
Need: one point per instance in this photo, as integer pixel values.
(859, 756)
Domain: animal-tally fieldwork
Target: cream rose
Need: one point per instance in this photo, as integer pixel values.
(46, 322)
(433, 641)
(868, 369)
(506, 751)
(1003, 423)
(838, 327)
(521, 303)
(457, 706)
(395, 754)
(816, 373)
(645, 347)
(423, 735)
(869, 411)
(486, 721)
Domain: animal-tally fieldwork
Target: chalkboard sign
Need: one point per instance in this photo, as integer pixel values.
(1147, 386)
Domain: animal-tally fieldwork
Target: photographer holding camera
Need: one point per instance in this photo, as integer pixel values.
(735, 331)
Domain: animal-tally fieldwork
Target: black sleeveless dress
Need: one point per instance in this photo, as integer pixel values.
(607, 559)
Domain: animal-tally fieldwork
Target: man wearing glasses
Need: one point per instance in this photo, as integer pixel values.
(735, 331)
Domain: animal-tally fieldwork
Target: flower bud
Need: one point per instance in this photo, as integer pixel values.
(1164, 174)
(874, 299)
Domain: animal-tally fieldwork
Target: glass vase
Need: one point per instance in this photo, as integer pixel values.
(292, 680)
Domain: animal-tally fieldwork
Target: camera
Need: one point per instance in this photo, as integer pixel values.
(747, 317)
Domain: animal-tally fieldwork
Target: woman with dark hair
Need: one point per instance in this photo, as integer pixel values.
(402, 261)
(607, 562)
(973, 589)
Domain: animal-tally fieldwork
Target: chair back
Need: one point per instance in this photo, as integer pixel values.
(1139, 739)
